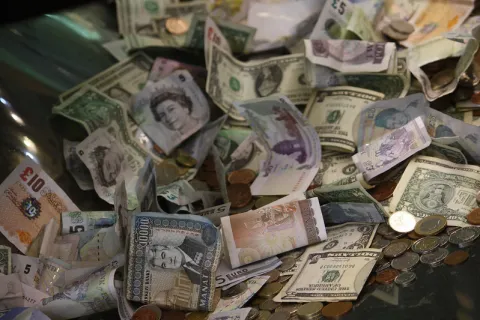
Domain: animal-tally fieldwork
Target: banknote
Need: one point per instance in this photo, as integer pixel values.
(230, 80)
(214, 214)
(335, 168)
(344, 236)
(353, 192)
(31, 296)
(382, 154)
(47, 248)
(197, 7)
(138, 42)
(176, 196)
(238, 37)
(75, 166)
(361, 26)
(146, 188)
(350, 55)
(52, 269)
(237, 314)
(226, 275)
(108, 159)
(163, 67)
(121, 81)
(338, 212)
(439, 48)
(268, 231)
(432, 19)
(295, 196)
(220, 172)
(117, 48)
(211, 33)
(5, 260)
(434, 186)
(171, 110)
(172, 261)
(79, 221)
(444, 152)
(464, 31)
(11, 292)
(125, 308)
(28, 268)
(332, 111)
(333, 21)
(253, 286)
(334, 275)
(382, 117)
(292, 144)
(29, 199)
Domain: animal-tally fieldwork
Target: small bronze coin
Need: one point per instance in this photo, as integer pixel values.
(234, 291)
(475, 98)
(270, 290)
(173, 315)
(442, 78)
(147, 312)
(309, 310)
(239, 195)
(269, 305)
(242, 176)
(287, 263)
(371, 280)
(176, 26)
(431, 225)
(186, 160)
(383, 191)
(456, 257)
(274, 275)
(212, 181)
(387, 276)
(474, 216)
(413, 235)
(337, 309)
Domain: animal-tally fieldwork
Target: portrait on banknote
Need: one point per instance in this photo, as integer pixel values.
(268, 80)
(108, 163)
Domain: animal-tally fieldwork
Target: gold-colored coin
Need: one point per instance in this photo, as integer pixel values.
(309, 310)
(166, 173)
(431, 225)
(282, 315)
(263, 315)
(270, 290)
(263, 201)
(257, 301)
(186, 160)
(274, 275)
(269, 305)
(176, 26)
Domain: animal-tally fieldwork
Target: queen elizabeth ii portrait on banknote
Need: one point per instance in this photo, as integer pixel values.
(108, 164)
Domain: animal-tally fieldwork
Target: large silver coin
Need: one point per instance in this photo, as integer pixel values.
(435, 257)
(426, 245)
(282, 315)
(464, 236)
(287, 263)
(405, 278)
(443, 239)
(234, 291)
(406, 261)
(382, 265)
(253, 314)
(395, 249)
(402, 221)
(379, 242)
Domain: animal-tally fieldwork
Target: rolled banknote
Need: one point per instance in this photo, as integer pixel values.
(75, 166)
(5, 260)
(336, 275)
(332, 112)
(30, 198)
(172, 261)
(79, 221)
(433, 186)
(11, 292)
(256, 235)
(293, 146)
(386, 152)
(146, 187)
(171, 110)
(230, 80)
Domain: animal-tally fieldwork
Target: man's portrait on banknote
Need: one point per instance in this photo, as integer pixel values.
(268, 80)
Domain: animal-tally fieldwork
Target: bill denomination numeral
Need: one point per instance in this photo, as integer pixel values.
(340, 7)
(35, 182)
(74, 229)
(27, 269)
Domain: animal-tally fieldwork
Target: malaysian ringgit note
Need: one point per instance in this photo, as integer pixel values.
(341, 212)
(75, 166)
(255, 235)
(225, 275)
(293, 146)
(431, 186)
(330, 276)
(230, 80)
(29, 199)
(172, 261)
(332, 112)
(334, 169)
(5, 260)
(386, 152)
(253, 286)
(79, 221)
(171, 110)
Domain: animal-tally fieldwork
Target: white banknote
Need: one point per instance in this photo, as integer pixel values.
(75, 166)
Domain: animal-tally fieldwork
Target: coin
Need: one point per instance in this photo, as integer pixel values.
(263, 201)
(148, 312)
(431, 225)
(248, 207)
(413, 235)
(282, 315)
(239, 195)
(309, 309)
(263, 315)
(405, 278)
(395, 249)
(387, 232)
(291, 308)
(443, 239)
(382, 265)
(284, 279)
(386, 276)
(371, 280)
(383, 191)
(184, 159)
(474, 216)
(257, 301)
(242, 176)
(435, 257)
(166, 173)
(406, 261)
(456, 257)
(379, 242)
(442, 78)
(274, 275)
(295, 254)
(451, 229)
(176, 26)
(402, 221)
(478, 193)
(402, 26)
(269, 305)
(197, 315)
(234, 291)
(336, 309)
(252, 314)
(425, 245)
(464, 236)
(173, 315)
(212, 181)
(287, 263)
(270, 290)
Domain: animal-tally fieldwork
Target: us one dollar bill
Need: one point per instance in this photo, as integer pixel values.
(5, 260)
(434, 186)
(338, 212)
(230, 80)
(293, 146)
(335, 168)
(332, 112)
(75, 166)
(30, 198)
(268, 231)
(444, 152)
(386, 152)
(172, 261)
(79, 221)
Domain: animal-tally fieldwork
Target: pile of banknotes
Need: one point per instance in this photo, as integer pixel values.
(258, 184)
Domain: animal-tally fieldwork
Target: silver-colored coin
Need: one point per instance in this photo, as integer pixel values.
(402, 221)
(426, 245)
(478, 197)
(383, 229)
(379, 242)
(451, 229)
(382, 265)
(166, 173)
(234, 291)
(434, 257)
(442, 79)
(287, 263)
(402, 26)
(443, 239)
(252, 314)
(406, 261)
(295, 254)
(395, 249)
(405, 278)
(269, 305)
(282, 315)
(465, 235)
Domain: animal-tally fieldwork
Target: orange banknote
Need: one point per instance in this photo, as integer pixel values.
(29, 198)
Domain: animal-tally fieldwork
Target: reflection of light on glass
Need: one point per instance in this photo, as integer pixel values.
(31, 156)
(29, 144)
(3, 100)
(17, 118)
(81, 30)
